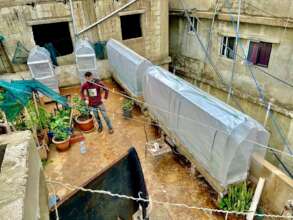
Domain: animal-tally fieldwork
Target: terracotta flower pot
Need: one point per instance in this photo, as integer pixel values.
(62, 145)
(85, 125)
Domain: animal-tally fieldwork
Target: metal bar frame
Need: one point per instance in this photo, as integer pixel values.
(77, 33)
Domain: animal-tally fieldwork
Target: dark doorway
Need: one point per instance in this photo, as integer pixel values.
(56, 34)
(131, 26)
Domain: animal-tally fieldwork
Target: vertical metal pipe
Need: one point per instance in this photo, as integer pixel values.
(235, 51)
(267, 114)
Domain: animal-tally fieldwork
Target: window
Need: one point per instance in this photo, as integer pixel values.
(192, 28)
(54, 36)
(259, 53)
(131, 26)
(228, 47)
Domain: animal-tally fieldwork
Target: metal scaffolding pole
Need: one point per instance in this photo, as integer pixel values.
(235, 51)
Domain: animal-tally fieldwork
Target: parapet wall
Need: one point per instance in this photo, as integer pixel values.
(23, 191)
(67, 74)
(278, 189)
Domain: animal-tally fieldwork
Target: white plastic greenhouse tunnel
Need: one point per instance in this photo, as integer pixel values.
(206, 130)
(219, 137)
(127, 67)
(85, 58)
(41, 67)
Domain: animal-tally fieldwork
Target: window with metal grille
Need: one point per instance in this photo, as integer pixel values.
(228, 47)
(192, 28)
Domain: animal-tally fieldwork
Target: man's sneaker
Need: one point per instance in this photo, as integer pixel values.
(111, 131)
(100, 130)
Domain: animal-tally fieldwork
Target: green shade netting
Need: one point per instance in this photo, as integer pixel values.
(20, 55)
(1, 38)
(17, 94)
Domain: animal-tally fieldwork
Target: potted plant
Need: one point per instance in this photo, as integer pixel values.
(127, 107)
(84, 119)
(60, 127)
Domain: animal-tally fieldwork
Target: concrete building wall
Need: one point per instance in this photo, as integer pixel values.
(23, 190)
(278, 188)
(259, 22)
(17, 18)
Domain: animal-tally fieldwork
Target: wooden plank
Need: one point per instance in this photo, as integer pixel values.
(256, 198)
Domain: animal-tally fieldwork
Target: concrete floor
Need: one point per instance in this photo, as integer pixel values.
(166, 179)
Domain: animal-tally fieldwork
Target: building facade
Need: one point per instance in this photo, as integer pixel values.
(143, 26)
(260, 67)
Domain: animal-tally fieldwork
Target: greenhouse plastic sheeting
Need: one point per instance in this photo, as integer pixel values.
(127, 66)
(215, 134)
(39, 62)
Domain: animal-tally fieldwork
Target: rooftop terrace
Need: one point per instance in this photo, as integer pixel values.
(167, 180)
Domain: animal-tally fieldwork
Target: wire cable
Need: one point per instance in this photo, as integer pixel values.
(179, 205)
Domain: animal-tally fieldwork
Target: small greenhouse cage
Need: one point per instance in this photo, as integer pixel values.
(41, 67)
(85, 58)
(39, 63)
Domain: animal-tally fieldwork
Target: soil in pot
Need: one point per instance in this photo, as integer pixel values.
(84, 123)
(62, 145)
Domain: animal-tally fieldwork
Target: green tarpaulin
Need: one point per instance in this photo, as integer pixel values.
(1, 38)
(17, 94)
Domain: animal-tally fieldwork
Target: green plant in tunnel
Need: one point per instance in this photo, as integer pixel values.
(238, 199)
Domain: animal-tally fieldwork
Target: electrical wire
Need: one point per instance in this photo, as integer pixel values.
(221, 78)
(245, 59)
(171, 204)
(261, 94)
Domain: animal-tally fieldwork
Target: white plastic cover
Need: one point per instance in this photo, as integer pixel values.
(85, 58)
(214, 133)
(39, 62)
(41, 67)
(127, 66)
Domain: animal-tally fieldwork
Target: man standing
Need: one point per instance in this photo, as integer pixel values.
(91, 92)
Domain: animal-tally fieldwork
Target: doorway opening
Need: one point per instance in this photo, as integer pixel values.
(56, 35)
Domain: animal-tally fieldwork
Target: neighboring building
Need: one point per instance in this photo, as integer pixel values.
(143, 26)
(266, 39)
